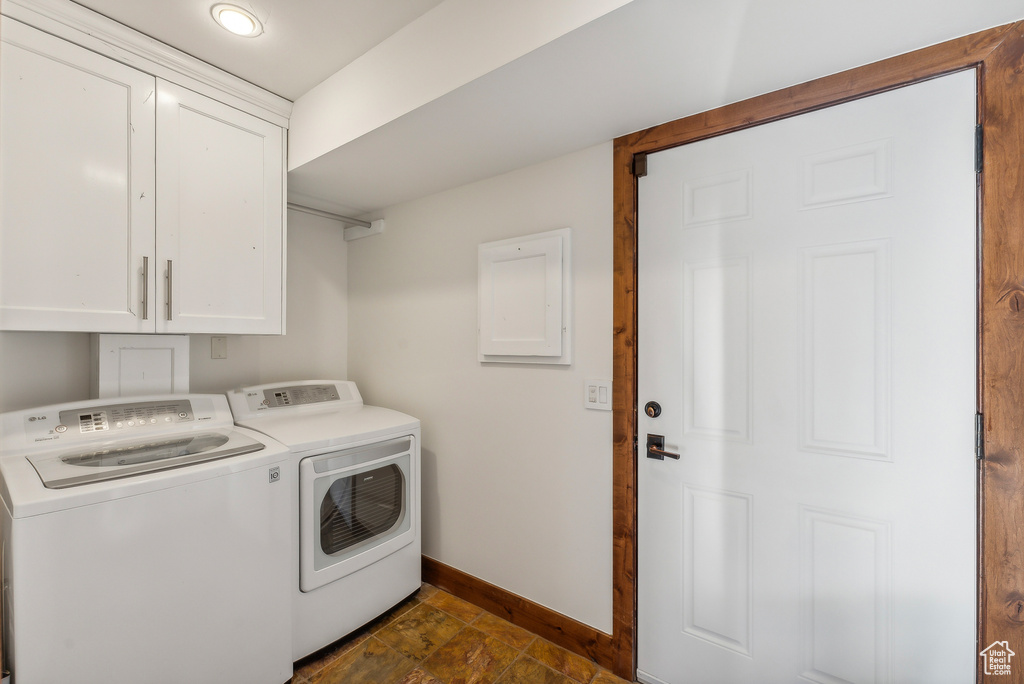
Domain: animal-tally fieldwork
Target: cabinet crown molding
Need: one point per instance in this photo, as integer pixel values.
(95, 32)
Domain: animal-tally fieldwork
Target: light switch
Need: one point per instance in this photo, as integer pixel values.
(597, 395)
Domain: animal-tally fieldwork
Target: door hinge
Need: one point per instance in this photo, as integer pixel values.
(979, 148)
(979, 437)
(636, 442)
(640, 164)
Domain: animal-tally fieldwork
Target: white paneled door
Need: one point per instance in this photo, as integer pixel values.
(807, 326)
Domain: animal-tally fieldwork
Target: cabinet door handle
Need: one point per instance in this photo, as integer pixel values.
(170, 284)
(145, 288)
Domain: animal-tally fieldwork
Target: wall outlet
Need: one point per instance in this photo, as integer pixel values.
(597, 394)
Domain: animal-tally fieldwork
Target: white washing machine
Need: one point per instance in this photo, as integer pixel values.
(355, 506)
(144, 540)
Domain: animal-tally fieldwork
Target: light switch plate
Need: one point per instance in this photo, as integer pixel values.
(597, 394)
(218, 347)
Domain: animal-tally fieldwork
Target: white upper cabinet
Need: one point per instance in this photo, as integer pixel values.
(77, 141)
(130, 203)
(219, 216)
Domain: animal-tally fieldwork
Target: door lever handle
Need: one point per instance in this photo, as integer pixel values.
(655, 448)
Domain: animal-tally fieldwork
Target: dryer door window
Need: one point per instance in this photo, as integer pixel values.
(356, 506)
(361, 507)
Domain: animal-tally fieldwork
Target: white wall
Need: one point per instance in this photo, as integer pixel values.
(42, 368)
(517, 474)
(315, 345)
(38, 368)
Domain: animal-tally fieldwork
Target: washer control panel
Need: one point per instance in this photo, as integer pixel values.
(111, 418)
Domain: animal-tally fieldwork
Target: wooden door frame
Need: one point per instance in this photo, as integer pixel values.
(997, 55)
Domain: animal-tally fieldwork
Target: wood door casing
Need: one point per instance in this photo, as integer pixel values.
(998, 56)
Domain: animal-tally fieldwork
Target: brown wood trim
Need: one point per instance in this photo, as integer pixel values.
(624, 419)
(998, 55)
(1002, 351)
(555, 627)
(961, 53)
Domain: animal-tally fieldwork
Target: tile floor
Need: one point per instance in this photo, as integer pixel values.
(436, 638)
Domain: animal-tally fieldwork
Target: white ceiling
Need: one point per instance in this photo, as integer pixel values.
(304, 41)
(648, 62)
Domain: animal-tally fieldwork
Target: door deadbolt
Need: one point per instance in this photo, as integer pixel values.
(652, 409)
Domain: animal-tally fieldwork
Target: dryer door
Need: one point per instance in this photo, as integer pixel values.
(356, 507)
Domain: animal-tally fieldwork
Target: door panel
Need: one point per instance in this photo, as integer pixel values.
(77, 137)
(219, 219)
(807, 322)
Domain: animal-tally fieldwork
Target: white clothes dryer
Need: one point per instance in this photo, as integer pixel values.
(144, 540)
(355, 506)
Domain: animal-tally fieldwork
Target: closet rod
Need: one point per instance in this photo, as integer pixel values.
(326, 214)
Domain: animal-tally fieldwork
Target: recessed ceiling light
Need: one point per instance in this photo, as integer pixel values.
(237, 20)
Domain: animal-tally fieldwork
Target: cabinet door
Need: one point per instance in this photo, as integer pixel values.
(76, 147)
(220, 218)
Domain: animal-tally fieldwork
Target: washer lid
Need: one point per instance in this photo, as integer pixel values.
(118, 459)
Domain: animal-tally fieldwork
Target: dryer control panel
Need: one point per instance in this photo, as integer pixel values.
(300, 394)
(312, 393)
